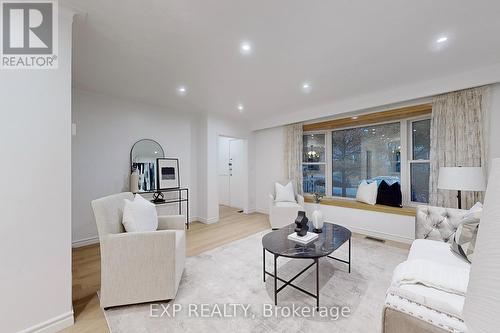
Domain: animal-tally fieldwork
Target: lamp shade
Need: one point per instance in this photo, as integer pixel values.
(461, 178)
(482, 301)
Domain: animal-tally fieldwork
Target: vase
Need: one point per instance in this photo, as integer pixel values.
(134, 182)
(317, 220)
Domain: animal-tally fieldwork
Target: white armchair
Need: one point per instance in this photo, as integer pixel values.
(138, 267)
(284, 213)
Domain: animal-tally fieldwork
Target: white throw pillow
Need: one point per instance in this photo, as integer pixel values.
(475, 212)
(284, 193)
(367, 193)
(139, 215)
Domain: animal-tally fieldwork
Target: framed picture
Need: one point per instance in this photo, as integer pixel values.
(167, 173)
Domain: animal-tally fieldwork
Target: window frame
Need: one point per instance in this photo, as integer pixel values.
(411, 161)
(325, 163)
(406, 156)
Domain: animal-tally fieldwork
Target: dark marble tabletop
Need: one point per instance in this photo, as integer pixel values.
(332, 237)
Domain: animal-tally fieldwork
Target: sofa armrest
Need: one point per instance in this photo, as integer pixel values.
(171, 222)
(133, 247)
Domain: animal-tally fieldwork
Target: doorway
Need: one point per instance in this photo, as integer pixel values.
(232, 172)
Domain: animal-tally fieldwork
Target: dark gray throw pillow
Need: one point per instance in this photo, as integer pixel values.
(464, 239)
(389, 195)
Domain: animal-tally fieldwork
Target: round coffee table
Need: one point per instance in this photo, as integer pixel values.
(277, 243)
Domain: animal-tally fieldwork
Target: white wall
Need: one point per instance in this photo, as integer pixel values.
(211, 129)
(106, 130)
(35, 214)
(269, 164)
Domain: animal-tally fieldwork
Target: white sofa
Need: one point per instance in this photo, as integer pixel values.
(138, 267)
(415, 308)
(284, 213)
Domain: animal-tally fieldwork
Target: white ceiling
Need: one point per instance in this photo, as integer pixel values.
(143, 50)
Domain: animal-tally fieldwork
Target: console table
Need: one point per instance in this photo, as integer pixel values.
(179, 199)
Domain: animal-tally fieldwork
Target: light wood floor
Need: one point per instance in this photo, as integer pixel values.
(200, 237)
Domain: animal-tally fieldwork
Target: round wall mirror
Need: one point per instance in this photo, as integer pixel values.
(143, 157)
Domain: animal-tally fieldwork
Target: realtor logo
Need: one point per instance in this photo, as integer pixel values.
(29, 34)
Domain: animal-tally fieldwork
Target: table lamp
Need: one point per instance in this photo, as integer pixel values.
(461, 179)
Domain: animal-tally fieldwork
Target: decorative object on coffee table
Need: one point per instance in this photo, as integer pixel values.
(301, 223)
(317, 215)
(304, 240)
(318, 220)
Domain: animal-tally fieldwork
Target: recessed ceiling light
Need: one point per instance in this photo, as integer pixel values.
(245, 48)
(354, 118)
(306, 87)
(182, 90)
(442, 39)
(240, 107)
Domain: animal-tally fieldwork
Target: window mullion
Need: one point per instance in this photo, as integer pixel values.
(328, 160)
(405, 157)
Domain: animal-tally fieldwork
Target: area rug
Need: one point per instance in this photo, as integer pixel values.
(222, 291)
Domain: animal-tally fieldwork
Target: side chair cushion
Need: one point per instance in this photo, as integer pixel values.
(284, 193)
(139, 215)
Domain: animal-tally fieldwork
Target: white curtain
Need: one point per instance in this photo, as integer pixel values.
(293, 155)
(458, 138)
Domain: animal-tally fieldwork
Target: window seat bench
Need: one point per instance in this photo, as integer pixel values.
(384, 222)
(407, 211)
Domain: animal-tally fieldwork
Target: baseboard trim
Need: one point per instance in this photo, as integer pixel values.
(86, 241)
(262, 211)
(381, 235)
(210, 220)
(52, 325)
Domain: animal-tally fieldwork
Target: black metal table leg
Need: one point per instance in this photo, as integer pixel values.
(317, 284)
(275, 281)
(187, 208)
(349, 255)
(264, 263)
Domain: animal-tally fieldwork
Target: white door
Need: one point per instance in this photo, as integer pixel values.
(237, 173)
(223, 171)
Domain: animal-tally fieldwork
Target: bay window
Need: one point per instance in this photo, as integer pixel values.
(365, 153)
(336, 161)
